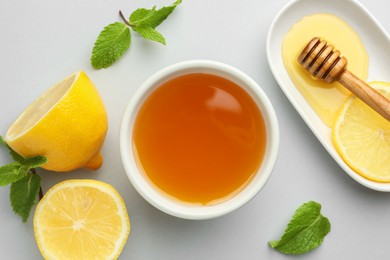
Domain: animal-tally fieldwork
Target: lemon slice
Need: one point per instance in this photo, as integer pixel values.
(362, 137)
(81, 219)
(67, 124)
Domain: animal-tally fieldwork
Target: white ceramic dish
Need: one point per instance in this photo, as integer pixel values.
(160, 200)
(374, 38)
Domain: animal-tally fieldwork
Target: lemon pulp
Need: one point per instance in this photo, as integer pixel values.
(362, 137)
(325, 99)
(81, 219)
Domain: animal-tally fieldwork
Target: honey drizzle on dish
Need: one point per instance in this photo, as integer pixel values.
(325, 99)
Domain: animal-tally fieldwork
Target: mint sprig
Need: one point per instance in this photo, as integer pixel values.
(24, 193)
(25, 183)
(115, 39)
(306, 230)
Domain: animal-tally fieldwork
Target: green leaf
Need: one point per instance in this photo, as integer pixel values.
(2, 142)
(150, 17)
(35, 161)
(141, 15)
(12, 172)
(111, 44)
(23, 195)
(24, 185)
(150, 34)
(306, 230)
(17, 157)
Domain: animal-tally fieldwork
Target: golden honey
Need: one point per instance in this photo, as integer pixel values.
(199, 138)
(324, 98)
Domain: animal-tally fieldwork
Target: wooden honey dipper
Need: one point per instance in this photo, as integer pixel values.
(323, 62)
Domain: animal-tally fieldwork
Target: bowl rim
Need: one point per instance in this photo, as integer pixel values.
(184, 210)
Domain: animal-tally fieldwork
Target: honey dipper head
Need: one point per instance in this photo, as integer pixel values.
(322, 61)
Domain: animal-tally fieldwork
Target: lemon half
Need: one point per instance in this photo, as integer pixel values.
(67, 124)
(362, 137)
(81, 219)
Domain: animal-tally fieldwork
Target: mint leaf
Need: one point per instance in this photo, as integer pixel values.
(148, 18)
(111, 44)
(34, 162)
(141, 15)
(144, 21)
(306, 230)
(12, 172)
(2, 142)
(25, 184)
(23, 195)
(17, 157)
(150, 34)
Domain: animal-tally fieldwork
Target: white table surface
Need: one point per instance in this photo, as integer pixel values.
(43, 41)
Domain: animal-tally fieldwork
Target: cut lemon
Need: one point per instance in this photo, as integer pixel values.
(67, 125)
(362, 137)
(81, 219)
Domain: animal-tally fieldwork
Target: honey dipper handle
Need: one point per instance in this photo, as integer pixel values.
(367, 94)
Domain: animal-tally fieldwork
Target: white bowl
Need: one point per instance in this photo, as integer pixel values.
(162, 201)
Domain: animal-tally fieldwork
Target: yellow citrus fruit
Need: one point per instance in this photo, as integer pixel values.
(362, 137)
(81, 219)
(67, 124)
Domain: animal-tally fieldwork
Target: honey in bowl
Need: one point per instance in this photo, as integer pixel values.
(199, 138)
